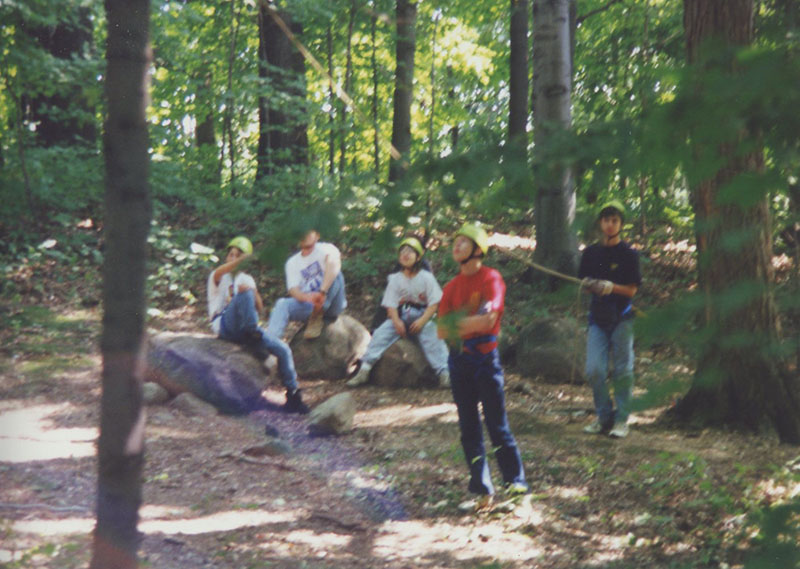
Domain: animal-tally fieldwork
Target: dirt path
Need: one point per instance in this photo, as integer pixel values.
(385, 495)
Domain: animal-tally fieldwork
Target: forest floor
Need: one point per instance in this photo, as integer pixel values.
(389, 494)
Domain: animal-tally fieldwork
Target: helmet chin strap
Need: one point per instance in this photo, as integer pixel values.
(472, 255)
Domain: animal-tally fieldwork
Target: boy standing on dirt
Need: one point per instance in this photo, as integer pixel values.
(610, 270)
(411, 298)
(233, 307)
(469, 319)
(316, 288)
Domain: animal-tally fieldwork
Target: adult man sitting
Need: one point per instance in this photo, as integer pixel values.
(316, 288)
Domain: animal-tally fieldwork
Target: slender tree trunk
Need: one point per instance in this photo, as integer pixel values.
(332, 103)
(518, 77)
(126, 225)
(739, 381)
(348, 84)
(556, 244)
(376, 149)
(229, 110)
(403, 88)
(431, 121)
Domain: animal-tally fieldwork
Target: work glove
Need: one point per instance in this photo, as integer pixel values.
(601, 287)
(588, 283)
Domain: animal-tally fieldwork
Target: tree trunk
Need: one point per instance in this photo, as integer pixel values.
(376, 149)
(518, 77)
(126, 225)
(57, 116)
(556, 244)
(348, 83)
(403, 87)
(283, 130)
(739, 381)
(331, 104)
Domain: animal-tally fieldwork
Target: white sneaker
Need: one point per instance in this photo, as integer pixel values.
(444, 379)
(361, 377)
(594, 428)
(619, 431)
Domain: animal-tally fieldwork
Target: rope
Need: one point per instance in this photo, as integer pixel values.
(539, 267)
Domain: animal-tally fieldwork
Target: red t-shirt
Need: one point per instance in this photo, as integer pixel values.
(480, 293)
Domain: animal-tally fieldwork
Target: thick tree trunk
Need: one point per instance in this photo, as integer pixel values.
(59, 117)
(403, 87)
(127, 222)
(376, 150)
(556, 244)
(739, 382)
(283, 130)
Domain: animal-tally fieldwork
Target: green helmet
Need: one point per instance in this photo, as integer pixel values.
(612, 204)
(477, 234)
(414, 243)
(242, 243)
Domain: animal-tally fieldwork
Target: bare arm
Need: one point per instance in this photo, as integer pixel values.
(420, 322)
(227, 268)
(477, 324)
(399, 325)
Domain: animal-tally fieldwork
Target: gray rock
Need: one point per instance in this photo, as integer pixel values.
(403, 365)
(334, 354)
(272, 447)
(154, 394)
(333, 416)
(193, 406)
(552, 349)
(218, 372)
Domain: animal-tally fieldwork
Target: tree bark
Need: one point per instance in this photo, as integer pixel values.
(126, 225)
(518, 76)
(283, 130)
(739, 382)
(55, 114)
(375, 83)
(556, 244)
(406, 13)
(348, 83)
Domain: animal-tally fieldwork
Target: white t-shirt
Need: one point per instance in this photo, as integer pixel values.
(306, 272)
(422, 288)
(219, 295)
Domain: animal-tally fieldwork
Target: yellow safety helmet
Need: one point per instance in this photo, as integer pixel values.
(414, 243)
(477, 234)
(242, 243)
(612, 204)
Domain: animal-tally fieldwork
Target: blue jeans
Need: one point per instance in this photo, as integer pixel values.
(240, 325)
(478, 378)
(385, 335)
(617, 345)
(287, 309)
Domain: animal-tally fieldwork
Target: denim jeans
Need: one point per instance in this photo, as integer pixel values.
(616, 345)
(240, 325)
(385, 335)
(474, 379)
(291, 309)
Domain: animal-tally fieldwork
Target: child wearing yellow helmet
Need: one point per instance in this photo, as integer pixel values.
(234, 304)
(411, 299)
(610, 270)
(470, 311)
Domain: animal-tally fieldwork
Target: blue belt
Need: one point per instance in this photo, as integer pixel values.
(471, 344)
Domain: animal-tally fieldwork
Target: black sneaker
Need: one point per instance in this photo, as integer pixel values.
(294, 403)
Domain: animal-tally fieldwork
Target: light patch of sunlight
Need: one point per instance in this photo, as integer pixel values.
(608, 549)
(221, 521)
(418, 540)
(570, 493)
(512, 241)
(318, 541)
(405, 415)
(29, 434)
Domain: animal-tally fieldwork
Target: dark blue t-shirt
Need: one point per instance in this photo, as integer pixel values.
(618, 264)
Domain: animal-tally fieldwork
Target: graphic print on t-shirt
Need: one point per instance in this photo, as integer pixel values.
(312, 277)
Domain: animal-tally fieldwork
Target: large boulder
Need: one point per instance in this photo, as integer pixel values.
(552, 350)
(218, 372)
(403, 365)
(335, 353)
